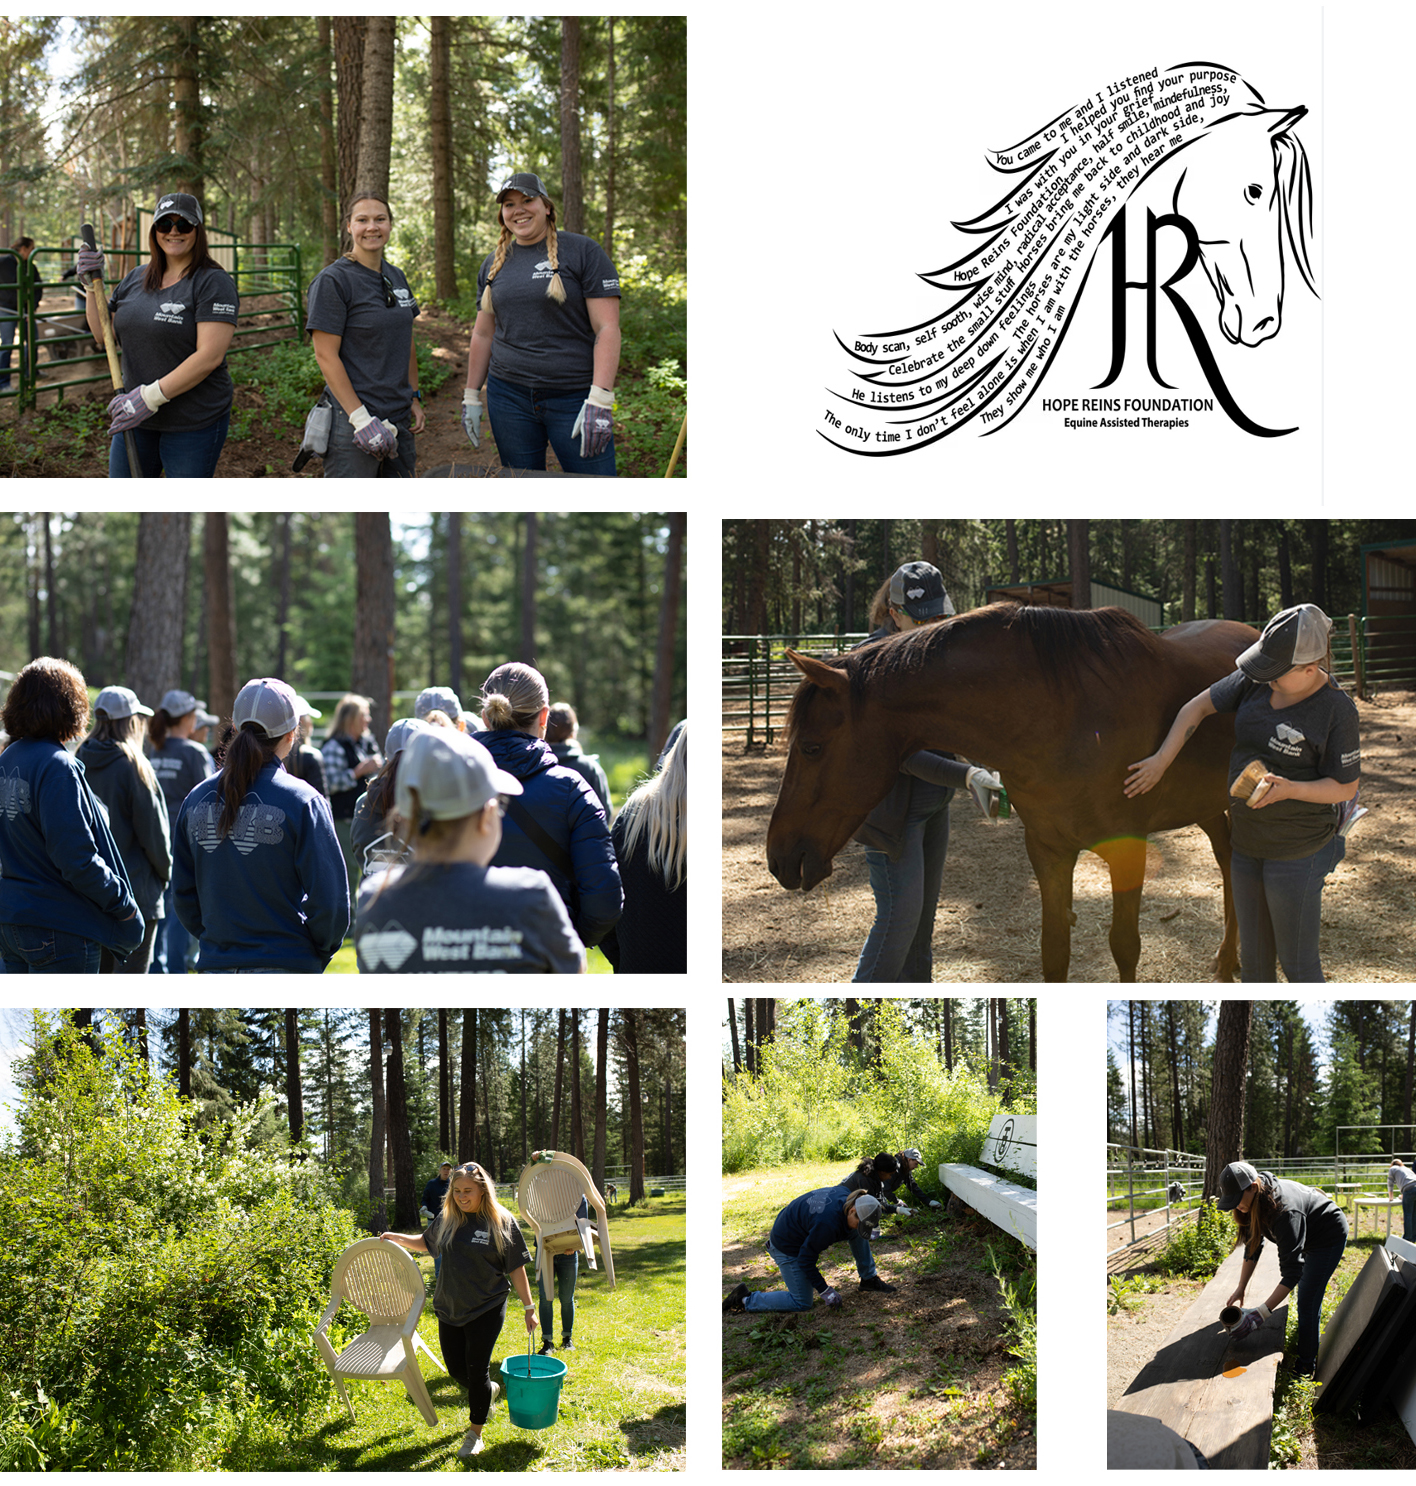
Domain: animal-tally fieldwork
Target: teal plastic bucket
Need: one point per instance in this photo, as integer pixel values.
(533, 1401)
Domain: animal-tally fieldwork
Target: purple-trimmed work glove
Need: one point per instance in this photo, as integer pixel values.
(1249, 1322)
(831, 1297)
(373, 436)
(89, 262)
(595, 423)
(129, 409)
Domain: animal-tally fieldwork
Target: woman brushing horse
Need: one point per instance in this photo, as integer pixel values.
(1059, 701)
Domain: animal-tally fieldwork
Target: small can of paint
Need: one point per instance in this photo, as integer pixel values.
(1229, 1316)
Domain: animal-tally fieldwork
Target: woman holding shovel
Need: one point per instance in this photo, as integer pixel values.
(1296, 738)
(361, 314)
(1309, 1231)
(484, 1257)
(174, 318)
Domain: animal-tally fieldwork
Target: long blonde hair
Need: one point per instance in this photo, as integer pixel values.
(453, 1217)
(657, 814)
(505, 242)
(126, 733)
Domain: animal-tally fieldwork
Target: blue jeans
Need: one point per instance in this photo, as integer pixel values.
(796, 1297)
(29, 951)
(525, 419)
(1279, 908)
(566, 1269)
(169, 956)
(1318, 1265)
(900, 944)
(189, 454)
(1408, 1211)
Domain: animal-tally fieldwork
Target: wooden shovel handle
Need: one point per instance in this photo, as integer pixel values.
(100, 301)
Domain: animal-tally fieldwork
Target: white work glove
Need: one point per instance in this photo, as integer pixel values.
(374, 436)
(831, 1297)
(472, 416)
(982, 786)
(595, 423)
(933, 1203)
(903, 1211)
(1249, 1322)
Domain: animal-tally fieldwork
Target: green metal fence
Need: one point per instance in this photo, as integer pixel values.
(262, 271)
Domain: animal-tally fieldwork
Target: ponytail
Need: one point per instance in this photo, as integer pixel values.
(248, 753)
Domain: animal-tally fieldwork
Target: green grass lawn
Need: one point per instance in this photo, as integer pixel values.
(621, 1406)
(914, 1380)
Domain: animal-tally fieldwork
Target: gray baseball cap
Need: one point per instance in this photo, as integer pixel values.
(453, 774)
(118, 701)
(1234, 1181)
(400, 733)
(437, 699)
(205, 719)
(178, 204)
(270, 704)
(918, 589)
(867, 1208)
(1295, 637)
(912, 1154)
(178, 703)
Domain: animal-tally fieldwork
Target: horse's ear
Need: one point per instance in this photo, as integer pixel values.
(1282, 120)
(819, 671)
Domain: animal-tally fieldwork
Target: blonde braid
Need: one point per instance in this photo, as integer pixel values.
(555, 289)
(503, 243)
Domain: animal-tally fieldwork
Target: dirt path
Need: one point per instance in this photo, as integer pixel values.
(1133, 1337)
(989, 920)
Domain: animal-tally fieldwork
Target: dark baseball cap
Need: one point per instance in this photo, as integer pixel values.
(178, 204)
(1234, 1181)
(918, 589)
(526, 183)
(1296, 637)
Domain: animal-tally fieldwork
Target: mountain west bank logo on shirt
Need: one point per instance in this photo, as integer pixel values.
(1286, 740)
(256, 825)
(169, 314)
(401, 294)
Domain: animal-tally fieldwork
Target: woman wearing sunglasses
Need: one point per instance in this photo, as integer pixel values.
(361, 314)
(174, 318)
(484, 1257)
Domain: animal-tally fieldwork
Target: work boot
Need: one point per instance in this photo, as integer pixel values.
(876, 1283)
(733, 1300)
(547, 1347)
(567, 1345)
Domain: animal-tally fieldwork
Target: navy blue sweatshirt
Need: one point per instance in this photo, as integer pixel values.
(271, 895)
(60, 867)
(810, 1223)
(137, 816)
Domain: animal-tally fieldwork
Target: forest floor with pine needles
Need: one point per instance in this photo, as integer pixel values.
(622, 1405)
(821, 1389)
(989, 923)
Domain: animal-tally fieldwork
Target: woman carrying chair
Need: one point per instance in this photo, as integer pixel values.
(484, 1256)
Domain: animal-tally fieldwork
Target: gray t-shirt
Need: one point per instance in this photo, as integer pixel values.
(350, 301)
(1314, 739)
(180, 766)
(540, 343)
(472, 1278)
(158, 332)
(462, 917)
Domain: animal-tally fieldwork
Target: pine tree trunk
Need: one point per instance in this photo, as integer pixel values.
(636, 1108)
(444, 1085)
(440, 143)
(602, 1043)
(572, 196)
(528, 593)
(154, 650)
(221, 614)
(405, 1196)
(454, 601)
(1079, 558)
(659, 719)
(378, 1220)
(374, 614)
(294, 1094)
(1225, 1140)
(467, 1120)
(525, 1154)
(376, 127)
(329, 155)
(732, 1024)
(184, 1053)
(577, 1126)
(560, 1084)
(349, 75)
(609, 240)
(749, 1048)
(187, 135)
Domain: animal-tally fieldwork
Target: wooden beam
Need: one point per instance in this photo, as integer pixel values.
(1227, 1418)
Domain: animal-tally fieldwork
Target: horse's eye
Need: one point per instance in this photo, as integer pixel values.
(811, 750)
(1254, 192)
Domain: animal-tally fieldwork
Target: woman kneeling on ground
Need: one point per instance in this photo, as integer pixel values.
(174, 318)
(484, 1256)
(1309, 1231)
(451, 910)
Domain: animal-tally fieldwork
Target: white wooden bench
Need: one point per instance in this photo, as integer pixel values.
(1011, 1143)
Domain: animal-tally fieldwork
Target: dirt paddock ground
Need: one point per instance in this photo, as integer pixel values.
(990, 919)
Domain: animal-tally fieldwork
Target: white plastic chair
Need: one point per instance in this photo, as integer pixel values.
(548, 1194)
(384, 1282)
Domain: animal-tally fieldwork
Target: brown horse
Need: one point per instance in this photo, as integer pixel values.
(1060, 702)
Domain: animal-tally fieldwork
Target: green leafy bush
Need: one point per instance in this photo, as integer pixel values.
(157, 1282)
(1198, 1249)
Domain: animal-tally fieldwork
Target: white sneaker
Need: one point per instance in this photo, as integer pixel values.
(471, 1445)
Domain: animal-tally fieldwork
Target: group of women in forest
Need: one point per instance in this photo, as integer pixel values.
(543, 352)
(1293, 726)
(97, 848)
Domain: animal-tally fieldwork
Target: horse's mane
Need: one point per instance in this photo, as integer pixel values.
(1065, 641)
(1295, 196)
